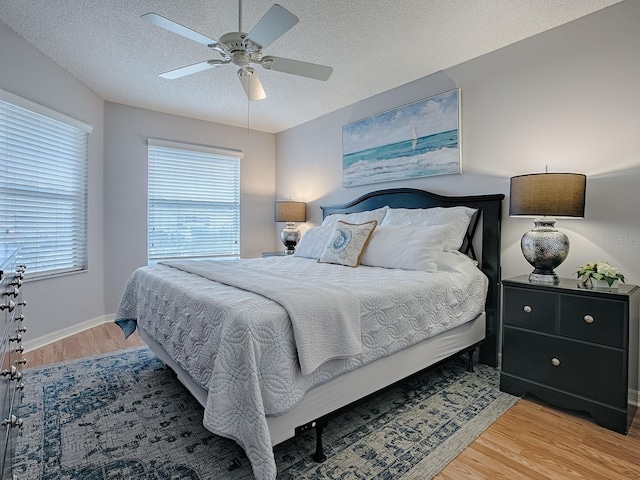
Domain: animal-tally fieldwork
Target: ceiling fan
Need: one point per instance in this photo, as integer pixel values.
(242, 49)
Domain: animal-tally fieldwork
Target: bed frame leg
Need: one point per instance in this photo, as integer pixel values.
(319, 455)
(470, 362)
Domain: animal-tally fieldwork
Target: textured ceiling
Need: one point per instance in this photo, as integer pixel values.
(372, 45)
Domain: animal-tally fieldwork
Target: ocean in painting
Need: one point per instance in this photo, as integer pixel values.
(436, 154)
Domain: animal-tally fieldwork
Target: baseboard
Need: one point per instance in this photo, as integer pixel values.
(39, 342)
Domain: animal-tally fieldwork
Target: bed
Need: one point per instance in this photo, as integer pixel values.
(243, 336)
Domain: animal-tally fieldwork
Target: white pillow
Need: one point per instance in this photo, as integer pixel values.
(347, 243)
(407, 248)
(314, 241)
(457, 262)
(457, 218)
(357, 217)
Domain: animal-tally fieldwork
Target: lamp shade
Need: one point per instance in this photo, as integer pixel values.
(548, 194)
(289, 211)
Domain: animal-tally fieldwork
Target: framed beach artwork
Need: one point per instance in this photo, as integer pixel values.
(421, 139)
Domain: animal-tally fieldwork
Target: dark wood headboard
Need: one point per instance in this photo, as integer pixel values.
(489, 216)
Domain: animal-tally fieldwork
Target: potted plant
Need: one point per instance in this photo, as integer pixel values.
(600, 274)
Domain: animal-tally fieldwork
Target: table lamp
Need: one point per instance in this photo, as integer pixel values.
(290, 212)
(546, 195)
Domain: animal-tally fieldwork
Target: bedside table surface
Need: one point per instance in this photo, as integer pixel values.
(277, 253)
(624, 289)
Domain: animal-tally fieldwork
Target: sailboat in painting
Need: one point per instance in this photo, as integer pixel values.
(414, 138)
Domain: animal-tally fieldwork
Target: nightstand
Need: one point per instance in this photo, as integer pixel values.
(573, 347)
(279, 253)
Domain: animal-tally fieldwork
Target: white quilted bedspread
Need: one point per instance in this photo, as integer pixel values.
(341, 332)
(240, 345)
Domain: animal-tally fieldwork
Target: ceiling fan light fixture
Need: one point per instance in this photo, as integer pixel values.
(241, 59)
(251, 83)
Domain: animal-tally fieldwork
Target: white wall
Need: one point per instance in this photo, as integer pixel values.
(125, 178)
(567, 98)
(55, 304)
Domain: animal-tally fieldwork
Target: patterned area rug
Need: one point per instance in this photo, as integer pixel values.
(126, 416)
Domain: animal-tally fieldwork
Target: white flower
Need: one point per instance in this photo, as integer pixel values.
(607, 270)
(600, 270)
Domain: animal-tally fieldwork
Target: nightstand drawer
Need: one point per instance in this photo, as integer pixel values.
(575, 367)
(530, 309)
(593, 320)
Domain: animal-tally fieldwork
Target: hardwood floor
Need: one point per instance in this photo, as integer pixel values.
(94, 341)
(533, 440)
(530, 441)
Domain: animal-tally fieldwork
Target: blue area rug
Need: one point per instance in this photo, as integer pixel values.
(126, 416)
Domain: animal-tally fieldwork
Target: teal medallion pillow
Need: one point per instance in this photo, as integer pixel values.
(347, 242)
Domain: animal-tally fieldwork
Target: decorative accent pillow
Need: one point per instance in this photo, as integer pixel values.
(357, 217)
(407, 248)
(347, 242)
(457, 218)
(313, 242)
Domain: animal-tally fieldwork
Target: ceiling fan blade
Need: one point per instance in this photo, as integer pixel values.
(174, 27)
(272, 26)
(296, 67)
(251, 83)
(188, 70)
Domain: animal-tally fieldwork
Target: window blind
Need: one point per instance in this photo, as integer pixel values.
(43, 186)
(194, 201)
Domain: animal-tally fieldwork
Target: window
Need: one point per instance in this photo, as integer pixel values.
(194, 201)
(43, 186)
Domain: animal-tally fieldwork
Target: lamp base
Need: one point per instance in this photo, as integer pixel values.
(544, 277)
(290, 236)
(545, 248)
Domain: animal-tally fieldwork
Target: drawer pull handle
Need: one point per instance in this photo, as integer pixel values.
(527, 309)
(13, 374)
(588, 319)
(13, 421)
(555, 362)
(10, 305)
(13, 291)
(9, 373)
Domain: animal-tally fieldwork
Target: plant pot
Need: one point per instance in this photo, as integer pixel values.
(600, 284)
(603, 285)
